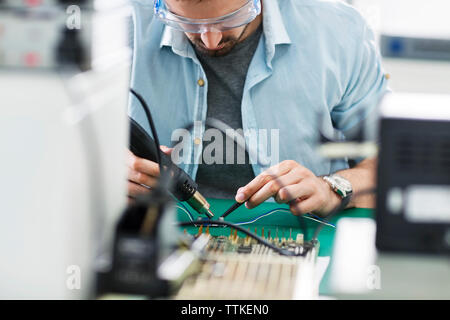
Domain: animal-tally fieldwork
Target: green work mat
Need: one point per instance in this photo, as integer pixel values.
(273, 219)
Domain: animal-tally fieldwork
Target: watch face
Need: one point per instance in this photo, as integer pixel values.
(342, 183)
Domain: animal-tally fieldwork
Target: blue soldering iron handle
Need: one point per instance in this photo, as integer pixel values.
(143, 146)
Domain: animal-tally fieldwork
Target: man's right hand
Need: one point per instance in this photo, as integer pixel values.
(143, 174)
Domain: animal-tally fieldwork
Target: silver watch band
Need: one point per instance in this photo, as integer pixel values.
(339, 185)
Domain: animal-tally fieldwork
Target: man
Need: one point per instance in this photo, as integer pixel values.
(272, 65)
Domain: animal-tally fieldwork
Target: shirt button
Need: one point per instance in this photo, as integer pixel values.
(197, 141)
(201, 82)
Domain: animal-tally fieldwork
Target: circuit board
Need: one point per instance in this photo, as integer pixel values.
(239, 267)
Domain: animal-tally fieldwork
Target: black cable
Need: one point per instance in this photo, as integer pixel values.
(161, 190)
(152, 126)
(217, 124)
(264, 242)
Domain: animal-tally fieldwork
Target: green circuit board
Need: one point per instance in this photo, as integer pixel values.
(239, 267)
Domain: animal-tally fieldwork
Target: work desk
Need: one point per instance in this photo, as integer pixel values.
(282, 220)
(403, 276)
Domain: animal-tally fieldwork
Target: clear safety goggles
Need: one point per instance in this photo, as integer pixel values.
(238, 18)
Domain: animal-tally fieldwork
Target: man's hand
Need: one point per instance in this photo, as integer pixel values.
(142, 174)
(290, 182)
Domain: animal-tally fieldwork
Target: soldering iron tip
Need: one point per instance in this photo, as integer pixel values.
(210, 214)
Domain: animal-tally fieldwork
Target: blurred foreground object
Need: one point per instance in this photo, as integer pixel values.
(413, 203)
(405, 254)
(63, 132)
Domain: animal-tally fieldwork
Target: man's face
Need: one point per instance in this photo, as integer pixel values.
(210, 43)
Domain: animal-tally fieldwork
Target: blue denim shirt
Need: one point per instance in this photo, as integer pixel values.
(314, 58)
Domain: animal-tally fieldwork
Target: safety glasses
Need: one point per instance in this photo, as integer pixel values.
(238, 18)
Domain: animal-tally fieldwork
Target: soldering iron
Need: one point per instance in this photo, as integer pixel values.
(182, 186)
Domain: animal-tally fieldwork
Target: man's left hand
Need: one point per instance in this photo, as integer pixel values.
(290, 182)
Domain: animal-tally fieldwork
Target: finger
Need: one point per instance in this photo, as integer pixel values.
(136, 189)
(271, 188)
(262, 179)
(143, 165)
(166, 150)
(141, 178)
(130, 157)
(299, 207)
(305, 188)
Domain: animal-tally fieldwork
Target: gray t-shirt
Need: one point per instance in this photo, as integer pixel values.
(226, 79)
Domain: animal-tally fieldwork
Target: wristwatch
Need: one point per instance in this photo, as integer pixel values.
(341, 186)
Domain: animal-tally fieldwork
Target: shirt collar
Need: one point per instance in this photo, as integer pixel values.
(177, 40)
(275, 33)
(274, 29)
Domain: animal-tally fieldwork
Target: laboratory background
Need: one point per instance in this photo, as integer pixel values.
(69, 232)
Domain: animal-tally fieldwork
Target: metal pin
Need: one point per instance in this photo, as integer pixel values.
(299, 239)
(262, 232)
